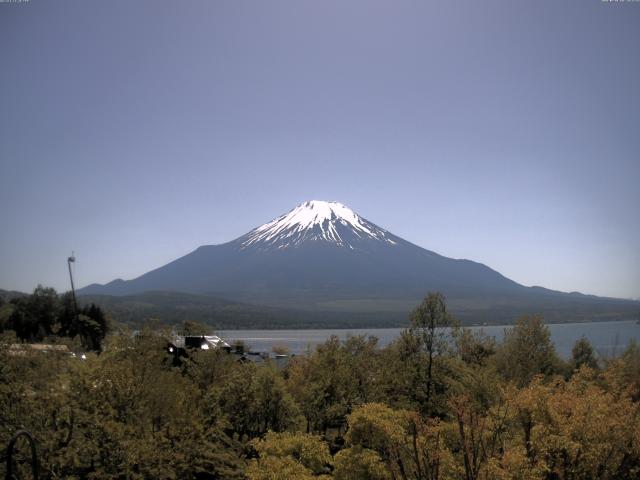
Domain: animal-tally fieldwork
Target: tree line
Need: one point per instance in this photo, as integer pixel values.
(440, 402)
(46, 316)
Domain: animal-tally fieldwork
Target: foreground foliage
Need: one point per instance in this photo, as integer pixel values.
(439, 403)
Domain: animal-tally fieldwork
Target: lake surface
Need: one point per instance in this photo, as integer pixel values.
(608, 338)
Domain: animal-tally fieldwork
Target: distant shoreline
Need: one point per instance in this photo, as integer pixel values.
(608, 337)
(473, 325)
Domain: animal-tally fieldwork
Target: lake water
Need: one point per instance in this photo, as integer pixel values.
(608, 338)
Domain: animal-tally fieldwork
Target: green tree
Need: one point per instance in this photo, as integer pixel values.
(431, 323)
(34, 317)
(419, 367)
(275, 409)
(474, 348)
(253, 400)
(527, 351)
(583, 354)
(67, 325)
(237, 401)
(357, 463)
(90, 323)
(191, 328)
(322, 385)
(410, 446)
(290, 456)
(363, 359)
(625, 370)
(92, 327)
(5, 313)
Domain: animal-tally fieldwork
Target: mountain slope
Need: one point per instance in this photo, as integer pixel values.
(322, 256)
(320, 250)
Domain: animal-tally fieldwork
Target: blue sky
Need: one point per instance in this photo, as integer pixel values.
(507, 132)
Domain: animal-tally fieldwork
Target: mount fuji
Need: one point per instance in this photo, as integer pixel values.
(323, 257)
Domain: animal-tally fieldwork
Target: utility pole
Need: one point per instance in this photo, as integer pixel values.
(70, 260)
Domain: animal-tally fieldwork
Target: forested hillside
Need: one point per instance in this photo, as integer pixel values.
(438, 403)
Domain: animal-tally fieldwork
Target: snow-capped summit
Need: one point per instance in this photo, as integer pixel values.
(315, 221)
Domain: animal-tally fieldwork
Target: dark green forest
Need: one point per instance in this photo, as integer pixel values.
(46, 315)
(172, 308)
(175, 307)
(440, 402)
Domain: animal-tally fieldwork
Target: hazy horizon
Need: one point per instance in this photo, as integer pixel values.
(502, 132)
